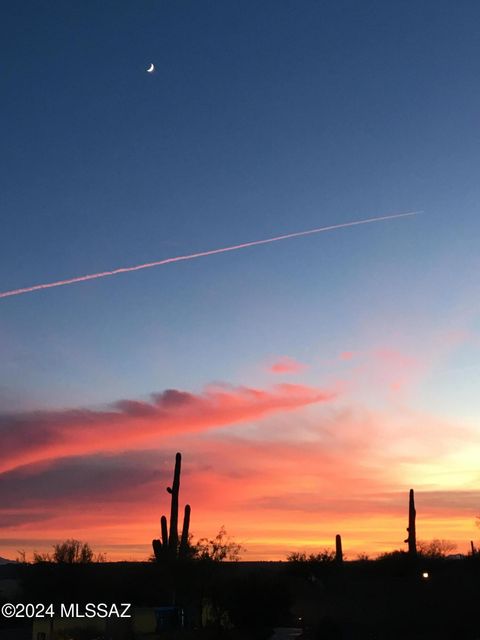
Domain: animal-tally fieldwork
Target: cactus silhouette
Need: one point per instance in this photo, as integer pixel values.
(183, 549)
(164, 530)
(338, 549)
(412, 536)
(169, 546)
(174, 490)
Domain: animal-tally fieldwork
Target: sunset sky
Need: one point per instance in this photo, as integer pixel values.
(309, 383)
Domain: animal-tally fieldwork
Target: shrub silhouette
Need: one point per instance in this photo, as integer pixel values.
(70, 551)
(222, 547)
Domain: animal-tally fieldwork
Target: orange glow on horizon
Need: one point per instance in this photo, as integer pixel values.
(284, 469)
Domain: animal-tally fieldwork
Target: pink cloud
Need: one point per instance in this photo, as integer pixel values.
(386, 368)
(347, 355)
(288, 482)
(43, 435)
(286, 365)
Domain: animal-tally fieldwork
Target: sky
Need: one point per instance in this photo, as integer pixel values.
(309, 383)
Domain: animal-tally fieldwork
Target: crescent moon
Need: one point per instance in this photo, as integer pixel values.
(151, 68)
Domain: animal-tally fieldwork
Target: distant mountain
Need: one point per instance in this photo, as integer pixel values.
(5, 561)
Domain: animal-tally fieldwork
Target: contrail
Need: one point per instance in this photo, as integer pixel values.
(200, 254)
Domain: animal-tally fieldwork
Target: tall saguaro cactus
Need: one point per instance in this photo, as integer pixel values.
(412, 535)
(169, 545)
(174, 490)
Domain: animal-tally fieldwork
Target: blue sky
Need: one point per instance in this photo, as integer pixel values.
(262, 118)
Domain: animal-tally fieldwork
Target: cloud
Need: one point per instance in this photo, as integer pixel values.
(428, 503)
(280, 479)
(288, 482)
(42, 435)
(384, 368)
(85, 480)
(286, 365)
(347, 355)
(396, 367)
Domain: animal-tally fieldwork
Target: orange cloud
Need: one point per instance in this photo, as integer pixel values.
(286, 484)
(285, 481)
(43, 435)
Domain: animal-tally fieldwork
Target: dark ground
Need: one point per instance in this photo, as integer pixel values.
(378, 600)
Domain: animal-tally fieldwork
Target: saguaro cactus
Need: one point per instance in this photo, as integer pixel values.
(174, 490)
(338, 549)
(169, 545)
(412, 536)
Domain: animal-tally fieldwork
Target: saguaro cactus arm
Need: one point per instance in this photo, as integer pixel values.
(164, 529)
(157, 549)
(186, 525)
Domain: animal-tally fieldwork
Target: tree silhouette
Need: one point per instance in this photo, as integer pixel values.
(222, 547)
(435, 548)
(69, 551)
